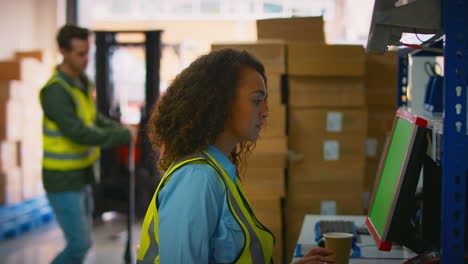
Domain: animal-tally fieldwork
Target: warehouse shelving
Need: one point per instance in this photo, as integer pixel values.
(455, 140)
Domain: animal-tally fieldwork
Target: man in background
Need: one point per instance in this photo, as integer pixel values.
(73, 133)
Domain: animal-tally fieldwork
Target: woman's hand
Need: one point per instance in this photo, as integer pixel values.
(316, 256)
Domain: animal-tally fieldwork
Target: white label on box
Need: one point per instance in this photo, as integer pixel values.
(328, 207)
(334, 121)
(371, 147)
(331, 150)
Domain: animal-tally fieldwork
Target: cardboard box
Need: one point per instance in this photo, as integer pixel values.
(313, 91)
(276, 122)
(325, 60)
(338, 151)
(11, 120)
(375, 147)
(276, 145)
(382, 96)
(379, 127)
(271, 53)
(372, 167)
(309, 197)
(274, 89)
(264, 182)
(293, 224)
(36, 54)
(267, 160)
(301, 29)
(321, 137)
(322, 121)
(381, 79)
(9, 155)
(304, 172)
(10, 186)
(10, 70)
(5, 90)
(380, 120)
(278, 251)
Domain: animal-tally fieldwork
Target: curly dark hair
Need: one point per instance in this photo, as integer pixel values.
(69, 32)
(193, 111)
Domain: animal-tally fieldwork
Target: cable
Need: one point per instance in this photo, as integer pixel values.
(419, 47)
(431, 40)
(417, 36)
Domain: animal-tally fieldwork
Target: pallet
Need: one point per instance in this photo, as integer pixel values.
(23, 217)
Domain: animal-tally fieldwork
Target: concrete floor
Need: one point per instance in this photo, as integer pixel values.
(42, 244)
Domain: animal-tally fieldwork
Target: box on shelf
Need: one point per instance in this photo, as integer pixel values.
(9, 155)
(264, 182)
(304, 172)
(5, 90)
(381, 79)
(11, 121)
(309, 197)
(274, 89)
(10, 186)
(329, 150)
(35, 54)
(372, 167)
(267, 160)
(325, 60)
(275, 125)
(271, 53)
(320, 91)
(322, 121)
(301, 29)
(380, 124)
(10, 70)
(275, 145)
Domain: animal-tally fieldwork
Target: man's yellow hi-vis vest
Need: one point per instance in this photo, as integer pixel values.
(259, 241)
(60, 152)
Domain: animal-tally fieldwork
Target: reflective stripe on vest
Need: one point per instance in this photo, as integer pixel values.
(259, 241)
(60, 152)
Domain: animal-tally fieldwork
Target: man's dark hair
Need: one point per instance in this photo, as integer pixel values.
(69, 32)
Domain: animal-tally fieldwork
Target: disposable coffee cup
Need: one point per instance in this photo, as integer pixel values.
(340, 244)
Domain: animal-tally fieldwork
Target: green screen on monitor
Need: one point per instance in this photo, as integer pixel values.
(398, 173)
(391, 169)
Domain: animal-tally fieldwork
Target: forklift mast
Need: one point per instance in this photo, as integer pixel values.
(111, 193)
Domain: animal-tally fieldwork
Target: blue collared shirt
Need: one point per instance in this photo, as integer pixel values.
(195, 223)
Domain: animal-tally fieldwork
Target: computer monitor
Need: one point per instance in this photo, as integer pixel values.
(390, 18)
(393, 198)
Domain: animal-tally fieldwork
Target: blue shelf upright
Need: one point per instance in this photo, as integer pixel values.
(454, 143)
(402, 98)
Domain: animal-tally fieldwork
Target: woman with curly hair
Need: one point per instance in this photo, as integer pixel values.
(207, 122)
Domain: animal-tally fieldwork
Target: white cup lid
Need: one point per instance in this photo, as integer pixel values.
(338, 235)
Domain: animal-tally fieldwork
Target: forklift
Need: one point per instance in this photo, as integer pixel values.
(127, 96)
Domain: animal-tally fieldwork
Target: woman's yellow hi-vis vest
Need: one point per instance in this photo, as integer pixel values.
(61, 153)
(259, 241)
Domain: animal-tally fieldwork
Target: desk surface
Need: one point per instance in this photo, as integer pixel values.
(369, 251)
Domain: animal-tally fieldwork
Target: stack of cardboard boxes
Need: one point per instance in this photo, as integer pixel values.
(327, 132)
(327, 122)
(263, 176)
(340, 105)
(21, 127)
(381, 97)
